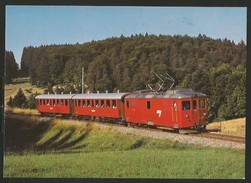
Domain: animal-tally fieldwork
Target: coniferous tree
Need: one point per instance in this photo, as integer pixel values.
(19, 99)
(10, 67)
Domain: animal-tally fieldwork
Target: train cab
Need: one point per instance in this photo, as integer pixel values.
(191, 112)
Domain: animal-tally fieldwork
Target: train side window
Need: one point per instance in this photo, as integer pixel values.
(61, 102)
(66, 102)
(88, 103)
(202, 103)
(97, 103)
(102, 103)
(186, 105)
(194, 104)
(79, 103)
(83, 103)
(127, 104)
(148, 105)
(92, 103)
(108, 103)
(174, 106)
(114, 105)
(50, 101)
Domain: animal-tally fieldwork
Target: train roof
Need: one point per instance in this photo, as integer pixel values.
(55, 96)
(176, 93)
(83, 96)
(100, 96)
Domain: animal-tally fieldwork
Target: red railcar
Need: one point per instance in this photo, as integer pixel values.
(105, 105)
(54, 104)
(178, 109)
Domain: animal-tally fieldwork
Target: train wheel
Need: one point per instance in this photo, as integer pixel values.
(130, 125)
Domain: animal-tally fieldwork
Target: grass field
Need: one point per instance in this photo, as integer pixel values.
(61, 148)
(231, 127)
(12, 89)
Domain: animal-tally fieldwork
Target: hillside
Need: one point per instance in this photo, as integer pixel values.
(212, 66)
(28, 89)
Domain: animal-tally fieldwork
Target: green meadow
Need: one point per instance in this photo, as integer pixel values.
(67, 148)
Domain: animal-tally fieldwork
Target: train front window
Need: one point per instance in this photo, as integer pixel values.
(202, 103)
(186, 105)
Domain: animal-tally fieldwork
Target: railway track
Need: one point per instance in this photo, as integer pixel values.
(223, 137)
(206, 134)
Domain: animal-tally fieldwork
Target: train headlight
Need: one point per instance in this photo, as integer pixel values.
(187, 116)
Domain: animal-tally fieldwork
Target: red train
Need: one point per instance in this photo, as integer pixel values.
(177, 109)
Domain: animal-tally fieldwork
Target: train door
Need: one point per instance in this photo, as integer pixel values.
(203, 111)
(186, 113)
(132, 114)
(175, 114)
(196, 110)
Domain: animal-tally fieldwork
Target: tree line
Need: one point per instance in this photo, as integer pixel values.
(216, 67)
(11, 67)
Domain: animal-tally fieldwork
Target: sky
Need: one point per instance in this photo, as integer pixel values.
(46, 25)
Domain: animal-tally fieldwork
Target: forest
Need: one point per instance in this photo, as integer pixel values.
(216, 67)
(11, 67)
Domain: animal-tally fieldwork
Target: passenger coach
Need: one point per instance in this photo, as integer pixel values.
(51, 104)
(99, 105)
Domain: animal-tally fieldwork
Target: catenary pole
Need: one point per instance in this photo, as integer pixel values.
(83, 70)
